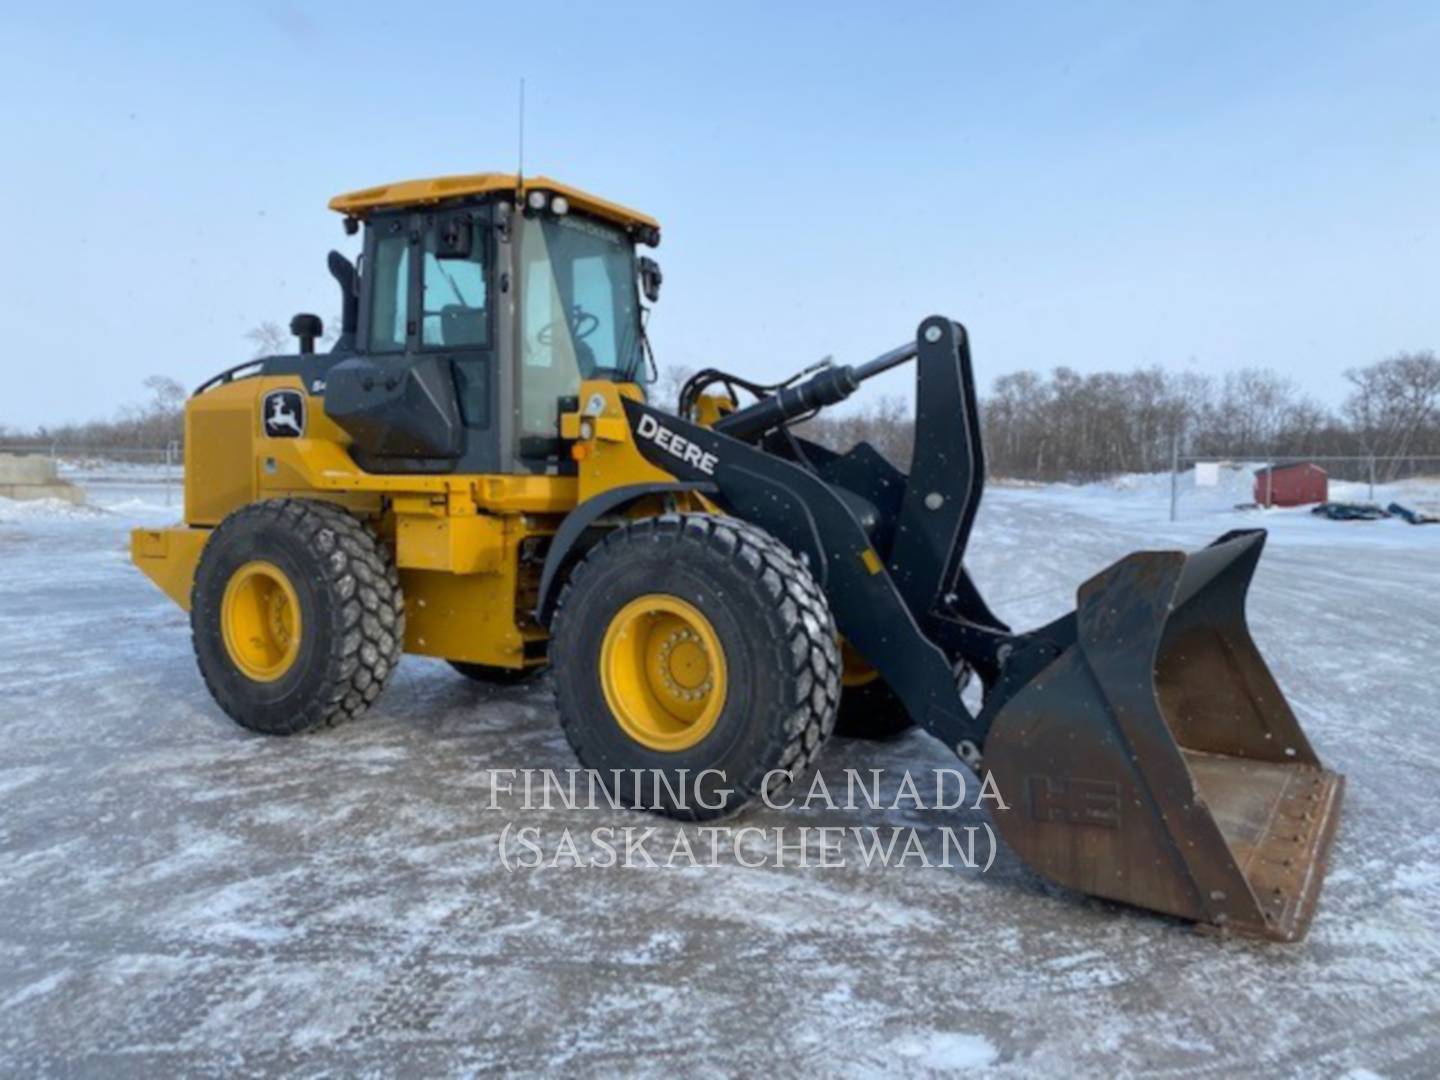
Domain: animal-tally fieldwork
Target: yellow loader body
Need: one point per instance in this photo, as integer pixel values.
(475, 472)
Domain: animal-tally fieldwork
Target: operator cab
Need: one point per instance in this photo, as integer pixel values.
(480, 304)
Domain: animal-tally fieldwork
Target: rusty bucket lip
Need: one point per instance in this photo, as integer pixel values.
(1245, 915)
(1285, 871)
(1293, 929)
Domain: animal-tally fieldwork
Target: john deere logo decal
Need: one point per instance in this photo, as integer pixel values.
(676, 445)
(284, 414)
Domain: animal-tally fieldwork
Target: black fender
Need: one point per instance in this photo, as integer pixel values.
(582, 518)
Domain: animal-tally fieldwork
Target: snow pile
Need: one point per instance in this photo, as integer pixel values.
(1419, 493)
(1148, 494)
(1236, 484)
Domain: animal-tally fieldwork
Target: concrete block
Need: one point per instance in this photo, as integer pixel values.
(27, 469)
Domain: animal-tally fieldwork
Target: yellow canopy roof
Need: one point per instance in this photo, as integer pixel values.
(419, 192)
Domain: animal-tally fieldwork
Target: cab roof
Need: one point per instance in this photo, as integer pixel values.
(359, 204)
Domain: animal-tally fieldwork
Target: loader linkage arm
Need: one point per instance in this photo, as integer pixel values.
(941, 491)
(896, 580)
(1144, 749)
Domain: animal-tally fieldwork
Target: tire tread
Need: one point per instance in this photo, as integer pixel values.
(808, 648)
(365, 640)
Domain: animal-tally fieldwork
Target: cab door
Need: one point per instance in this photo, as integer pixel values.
(455, 322)
(416, 396)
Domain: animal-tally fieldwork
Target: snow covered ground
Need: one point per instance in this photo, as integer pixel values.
(176, 894)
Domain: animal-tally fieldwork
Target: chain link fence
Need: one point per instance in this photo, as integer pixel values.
(128, 465)
(1231, 474)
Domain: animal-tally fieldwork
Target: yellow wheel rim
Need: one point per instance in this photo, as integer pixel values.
(663, 672)
(854, 671)
(260, 621)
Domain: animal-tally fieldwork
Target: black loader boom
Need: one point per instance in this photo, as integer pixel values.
(1144, 751)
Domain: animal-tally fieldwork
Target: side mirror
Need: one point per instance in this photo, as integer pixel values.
(454, 237)
(650, 278)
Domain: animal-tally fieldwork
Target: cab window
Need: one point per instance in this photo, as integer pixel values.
(390, 291)
(454, 312)
(579, 314)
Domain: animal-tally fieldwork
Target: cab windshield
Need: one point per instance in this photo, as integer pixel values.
(579, 314)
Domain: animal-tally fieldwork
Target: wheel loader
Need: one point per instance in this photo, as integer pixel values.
(475, 472)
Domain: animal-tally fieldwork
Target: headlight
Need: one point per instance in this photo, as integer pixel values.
(560, 206)
(537, 200)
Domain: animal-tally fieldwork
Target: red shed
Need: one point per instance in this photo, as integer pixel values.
(1291, 485)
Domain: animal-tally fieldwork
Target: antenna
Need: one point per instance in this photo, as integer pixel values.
(520, 167)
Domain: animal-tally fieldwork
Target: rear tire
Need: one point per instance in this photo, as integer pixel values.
(869, 709)
(296, 616)
(496, 676)
(691, 642)
(872, 711)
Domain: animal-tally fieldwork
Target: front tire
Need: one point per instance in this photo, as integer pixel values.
(296, 616)
(699, 651)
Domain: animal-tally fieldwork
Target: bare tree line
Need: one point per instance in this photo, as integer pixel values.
(1057, 426)
(158, 420)
(151, 424)
(1068, 426)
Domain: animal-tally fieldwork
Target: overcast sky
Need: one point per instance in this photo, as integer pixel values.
(1203, 185)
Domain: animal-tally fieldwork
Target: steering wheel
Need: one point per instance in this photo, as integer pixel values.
(581, 325)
